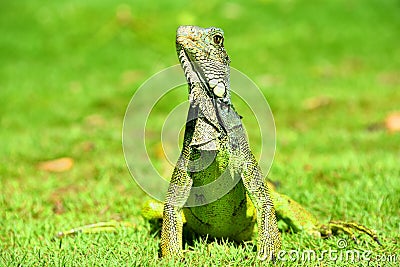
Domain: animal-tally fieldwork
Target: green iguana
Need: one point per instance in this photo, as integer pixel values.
(215, 151)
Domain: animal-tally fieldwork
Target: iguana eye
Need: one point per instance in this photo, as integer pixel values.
(218, 39)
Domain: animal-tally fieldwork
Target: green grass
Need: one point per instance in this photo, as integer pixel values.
(69, 69)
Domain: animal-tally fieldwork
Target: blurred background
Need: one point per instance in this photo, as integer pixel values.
(330, 71)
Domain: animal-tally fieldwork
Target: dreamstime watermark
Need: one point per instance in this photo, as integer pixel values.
(155, 118)
(341, 254)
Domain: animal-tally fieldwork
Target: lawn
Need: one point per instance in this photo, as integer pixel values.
(331, 74)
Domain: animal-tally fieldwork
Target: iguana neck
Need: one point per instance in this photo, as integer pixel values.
(206, 67)
(196, 77)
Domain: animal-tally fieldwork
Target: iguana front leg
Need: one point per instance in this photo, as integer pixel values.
(177, 194)
(269, 239)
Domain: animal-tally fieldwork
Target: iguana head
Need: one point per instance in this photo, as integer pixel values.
(203, 58)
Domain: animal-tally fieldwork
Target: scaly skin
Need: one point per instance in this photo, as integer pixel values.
(215, 149)
(296, 217)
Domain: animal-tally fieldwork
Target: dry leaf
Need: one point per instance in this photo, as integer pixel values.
(316, 102)
(159, 151)
(307, 167)
(129, 77)
(124, 14)
(58, 207)
(87, 146)
(389, 78)
(104, 210)
(95, 120)
(57, 165)
(392, 122)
